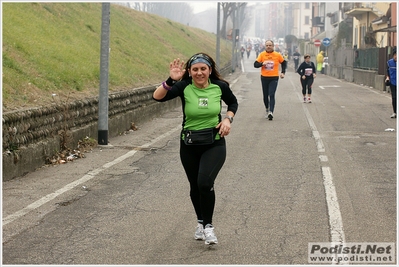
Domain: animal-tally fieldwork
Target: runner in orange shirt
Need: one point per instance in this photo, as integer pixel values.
(269, 62)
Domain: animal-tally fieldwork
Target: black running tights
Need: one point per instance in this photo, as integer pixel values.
(393, 94)
(307, 84)
(202, 164)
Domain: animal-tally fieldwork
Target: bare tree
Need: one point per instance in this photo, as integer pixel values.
(176, 11)
(183, 13)
(242, 18)
(228, 9)
(137, 6)
(246, 19)
(141, 6)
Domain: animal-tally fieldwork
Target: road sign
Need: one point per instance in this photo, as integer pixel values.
(317, 43)
(326, 41)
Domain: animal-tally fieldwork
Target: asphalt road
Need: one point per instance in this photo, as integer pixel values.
(319, 172)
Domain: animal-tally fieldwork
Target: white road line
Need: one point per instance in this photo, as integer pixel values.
(90, 175)
(315, 133)
(334, 214)
(323, 158)
(324, 87)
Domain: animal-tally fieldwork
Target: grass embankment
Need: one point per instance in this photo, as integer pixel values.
(54, 48)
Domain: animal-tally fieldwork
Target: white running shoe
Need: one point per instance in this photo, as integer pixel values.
(270, 116)
(304, 100)
(210, 237)
(310, 101)
(199, 232)
(393, 116)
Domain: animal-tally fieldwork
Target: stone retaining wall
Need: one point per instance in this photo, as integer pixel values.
(31, 137)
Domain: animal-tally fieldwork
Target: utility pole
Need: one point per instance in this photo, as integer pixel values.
(233, 39)
(104, 67)
(218, 36)
(237, 34)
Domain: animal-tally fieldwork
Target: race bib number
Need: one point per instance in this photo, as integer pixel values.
(308, 72)
(203, 103)
(269, 65)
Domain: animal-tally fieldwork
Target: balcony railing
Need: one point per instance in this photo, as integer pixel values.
(334, 17)
(350, 6)
(318, 22)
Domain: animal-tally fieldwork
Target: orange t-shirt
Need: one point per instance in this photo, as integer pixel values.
(273, 60)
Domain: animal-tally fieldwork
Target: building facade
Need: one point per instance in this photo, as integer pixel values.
(368, 20)
(302, 17)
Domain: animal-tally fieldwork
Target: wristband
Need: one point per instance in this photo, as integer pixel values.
(230, 118)
(170, 81)
(166, 87)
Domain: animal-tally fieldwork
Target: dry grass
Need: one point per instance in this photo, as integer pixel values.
(54, 48)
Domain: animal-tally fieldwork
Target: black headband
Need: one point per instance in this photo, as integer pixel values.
(199, 58)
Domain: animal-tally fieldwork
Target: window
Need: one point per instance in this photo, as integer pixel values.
(307, 20)
(306, 35)
(362, 34)
(356, 40)
(307, 5)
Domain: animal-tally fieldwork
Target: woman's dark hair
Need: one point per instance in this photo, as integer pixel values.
(214, 74)
(306, 56)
